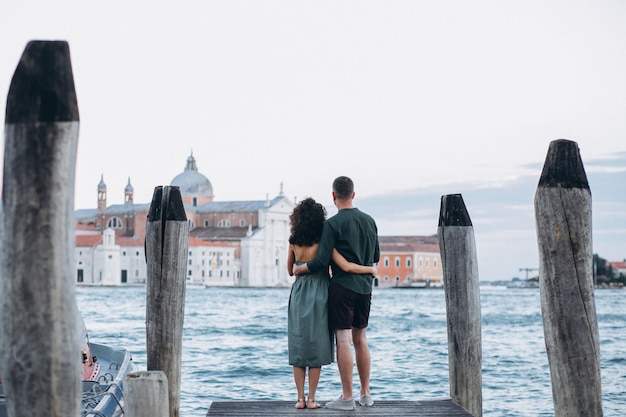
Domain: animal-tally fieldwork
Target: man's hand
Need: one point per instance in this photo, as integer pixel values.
(300, 269)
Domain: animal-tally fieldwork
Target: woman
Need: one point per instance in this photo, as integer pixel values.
(309, 337)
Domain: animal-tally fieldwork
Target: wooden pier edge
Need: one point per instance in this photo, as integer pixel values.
(424, 408)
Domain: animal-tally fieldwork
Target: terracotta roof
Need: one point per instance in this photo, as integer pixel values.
(129, 241)
(88, 240)
(409, 243)
(86, 227)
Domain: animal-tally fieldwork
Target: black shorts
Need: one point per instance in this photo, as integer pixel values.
(347, 309)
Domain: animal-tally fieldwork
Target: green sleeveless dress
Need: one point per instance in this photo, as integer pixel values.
(309, 338)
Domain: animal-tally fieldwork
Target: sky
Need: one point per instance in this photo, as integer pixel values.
(412, 99)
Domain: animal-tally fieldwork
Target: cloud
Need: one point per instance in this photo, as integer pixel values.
(503, 216)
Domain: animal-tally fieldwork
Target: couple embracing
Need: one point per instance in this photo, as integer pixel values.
(323, 304)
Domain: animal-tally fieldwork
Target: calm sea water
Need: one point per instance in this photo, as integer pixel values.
(235, 346)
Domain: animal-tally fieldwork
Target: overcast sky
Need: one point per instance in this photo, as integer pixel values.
(412, 99)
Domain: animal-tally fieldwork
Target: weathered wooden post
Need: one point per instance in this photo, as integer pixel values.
(167, 243)
(570, 325)
(146, 394)
(41, 340)
(460, 278)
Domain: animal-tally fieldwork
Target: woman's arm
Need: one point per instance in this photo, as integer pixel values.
(291, 259)
(351, 267)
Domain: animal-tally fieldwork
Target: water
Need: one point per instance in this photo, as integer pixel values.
(235, 346)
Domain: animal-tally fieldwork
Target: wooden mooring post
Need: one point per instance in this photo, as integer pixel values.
(146, 394)
(167, 244)
(460, 274)
(40, 336)
(563, 220)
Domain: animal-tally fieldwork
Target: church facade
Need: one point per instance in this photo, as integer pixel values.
(232, 243)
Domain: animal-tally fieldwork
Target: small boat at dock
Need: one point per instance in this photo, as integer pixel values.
(104, 368)
(102, 393)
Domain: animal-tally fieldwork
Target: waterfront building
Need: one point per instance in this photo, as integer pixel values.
(409, 261)
(618, 268)
(232, 243)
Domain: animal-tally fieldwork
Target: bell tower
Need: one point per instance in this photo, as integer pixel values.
(102, 195)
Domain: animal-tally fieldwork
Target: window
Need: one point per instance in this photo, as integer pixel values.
(206, 223)
(223, 223)
(434, 263)
(386, 262)
(242, 223)
(408, 262)
(397, 262)
(115, 223)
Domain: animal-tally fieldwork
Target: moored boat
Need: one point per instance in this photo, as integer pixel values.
(103, 370)
(103, 377)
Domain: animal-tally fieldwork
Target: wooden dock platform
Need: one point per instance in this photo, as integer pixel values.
(427, 408)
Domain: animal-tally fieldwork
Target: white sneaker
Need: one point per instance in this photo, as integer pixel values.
(341, 404)
(366, 401)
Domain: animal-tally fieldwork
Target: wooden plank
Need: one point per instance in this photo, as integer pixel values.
(427, 408)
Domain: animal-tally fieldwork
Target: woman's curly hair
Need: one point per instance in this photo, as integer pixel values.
(307, 221)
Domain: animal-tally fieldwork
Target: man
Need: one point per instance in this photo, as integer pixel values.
(355, 235)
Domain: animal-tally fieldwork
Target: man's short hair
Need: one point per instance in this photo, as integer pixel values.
(343, 187)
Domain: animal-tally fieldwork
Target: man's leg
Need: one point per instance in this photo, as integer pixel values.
(363, 359)
(344, 361)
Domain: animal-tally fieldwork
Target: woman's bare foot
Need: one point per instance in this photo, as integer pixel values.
(311, 403)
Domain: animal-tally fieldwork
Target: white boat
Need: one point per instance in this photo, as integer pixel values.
(103, 369)
(103, 389)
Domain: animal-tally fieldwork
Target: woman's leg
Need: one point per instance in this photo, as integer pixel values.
(299, 374)
(314, 379)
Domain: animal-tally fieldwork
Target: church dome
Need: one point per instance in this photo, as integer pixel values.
(191, 182)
